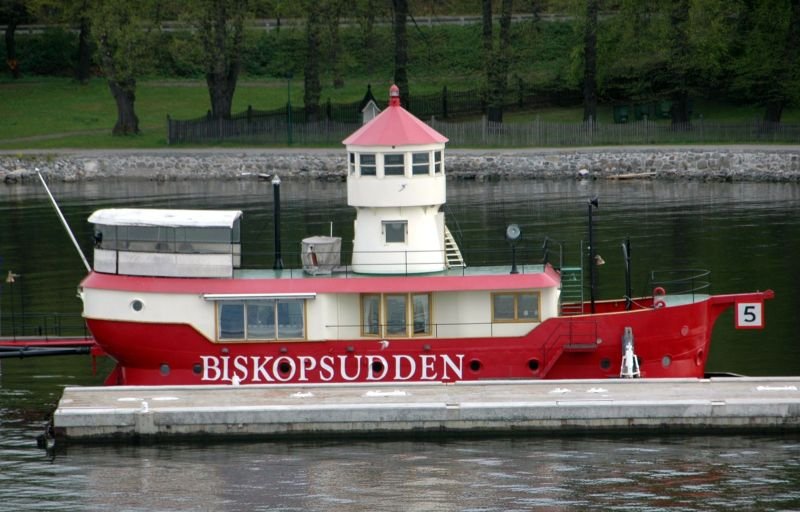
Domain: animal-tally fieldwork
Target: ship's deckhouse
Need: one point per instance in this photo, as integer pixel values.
(396, 182)
(167, 243)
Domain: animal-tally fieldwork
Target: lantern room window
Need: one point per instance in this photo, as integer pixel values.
(367, 164)
(394, 165)
(420, 163)
(438, 165)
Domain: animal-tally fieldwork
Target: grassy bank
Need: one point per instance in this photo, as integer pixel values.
(59, 113)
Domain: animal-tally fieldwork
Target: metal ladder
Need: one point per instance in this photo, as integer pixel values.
(452, 253)
(571, 300)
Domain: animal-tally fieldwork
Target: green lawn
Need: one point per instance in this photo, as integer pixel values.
(58, 113)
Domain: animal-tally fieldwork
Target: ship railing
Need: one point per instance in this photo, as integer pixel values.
(433, 331)
(692, 283)
(406, 262)
(15, 326)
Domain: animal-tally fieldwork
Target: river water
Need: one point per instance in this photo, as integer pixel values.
(746, 234)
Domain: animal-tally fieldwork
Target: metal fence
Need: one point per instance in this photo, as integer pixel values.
(481, 133)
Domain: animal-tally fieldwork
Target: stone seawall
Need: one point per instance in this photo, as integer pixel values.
(731, 163)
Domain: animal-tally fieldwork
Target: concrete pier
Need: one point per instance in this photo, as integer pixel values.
(566, 406)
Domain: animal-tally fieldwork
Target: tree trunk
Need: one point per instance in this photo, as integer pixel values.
(401, 49)
(11, 48)
(497, 62)
(679, 60)
(313, 87)
(84, 58)
(125, 96)
(335, 15)
(590, 63)
(222, 70)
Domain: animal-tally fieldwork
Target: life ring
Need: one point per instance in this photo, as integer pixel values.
(659, 291)
(659, 304)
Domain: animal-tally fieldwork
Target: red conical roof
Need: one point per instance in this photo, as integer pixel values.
(395, 126)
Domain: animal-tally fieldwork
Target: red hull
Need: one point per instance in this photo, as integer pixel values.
(669, 342)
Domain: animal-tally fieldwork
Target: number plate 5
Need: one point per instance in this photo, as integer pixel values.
(749, 315)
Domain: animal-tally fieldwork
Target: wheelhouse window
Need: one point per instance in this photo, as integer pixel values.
(351, 163)
(394, 232)
(394, 165)
(420, 164)
(515, 307)
(269, 319)
(396, 314)
(438, 167)
(367, 164)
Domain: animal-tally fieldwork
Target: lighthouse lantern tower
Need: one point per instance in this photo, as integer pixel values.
(396, 183)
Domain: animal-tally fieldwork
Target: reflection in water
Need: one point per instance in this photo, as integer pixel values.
(745, 233)
(641, 473)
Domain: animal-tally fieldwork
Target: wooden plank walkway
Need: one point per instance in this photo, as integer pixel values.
(568, 406)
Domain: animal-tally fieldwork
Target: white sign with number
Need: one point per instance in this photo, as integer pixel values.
(749, 315)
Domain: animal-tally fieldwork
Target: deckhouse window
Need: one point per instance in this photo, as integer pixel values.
(395, 231)
(396, 314)
(394, 165)
(367, 164)
(515, 307)
(420, 163)
(270, 319)
(438, 168)
(351, 163)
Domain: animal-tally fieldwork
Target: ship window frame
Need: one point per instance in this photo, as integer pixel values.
(438, 162)
(364, 164)
(351, 163)
(391, 169)
(394, 231)
(420, 168)
(248, 307)
(517, 317)
(381, 325)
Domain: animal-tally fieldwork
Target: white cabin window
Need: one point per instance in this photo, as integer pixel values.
(269, 319)
(515, 307)
(420, 163)
(351, 164)
(367, 164)
(395, 231)
(394, 165)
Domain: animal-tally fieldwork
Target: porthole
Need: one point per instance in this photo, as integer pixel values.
(377, 367)
(666, 361)
(164, 369)
(475, 365)
(533, 364)
(284, 367)
(197, 368)
(605, 363)
(137, 305)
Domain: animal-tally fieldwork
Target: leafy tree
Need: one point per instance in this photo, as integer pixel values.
(768, 69)
(497, 60)
(72, 12)
(590, 62)
(122, 31)
(313, 88)
(12, 14)
(219, 26)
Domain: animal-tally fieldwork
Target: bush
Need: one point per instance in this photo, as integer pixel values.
(53, 52)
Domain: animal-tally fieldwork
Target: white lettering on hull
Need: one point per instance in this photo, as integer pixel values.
(328, 368)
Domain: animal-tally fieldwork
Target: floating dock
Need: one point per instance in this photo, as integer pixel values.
(566, 406)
